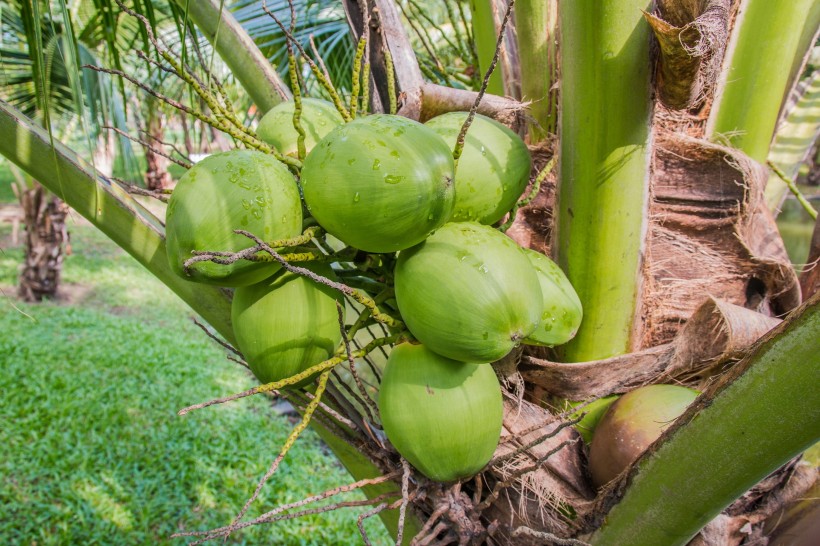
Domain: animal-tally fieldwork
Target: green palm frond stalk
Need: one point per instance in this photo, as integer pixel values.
(604, 166)
(761, 414)
(756, 73)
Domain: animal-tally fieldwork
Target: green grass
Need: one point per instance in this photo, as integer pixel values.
(91, 448)
(6, 178)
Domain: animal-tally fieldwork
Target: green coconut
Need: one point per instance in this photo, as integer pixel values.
(562, 312)
(631, 425)
(443, 416)
(286, 324)
(240, 189)
(318, 118)
(493, 170)
(380, 183)
(592, 413)
(468, 292)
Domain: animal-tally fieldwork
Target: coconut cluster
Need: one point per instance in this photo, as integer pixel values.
(386, 186)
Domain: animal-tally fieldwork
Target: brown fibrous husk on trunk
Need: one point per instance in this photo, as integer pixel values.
(46, 234)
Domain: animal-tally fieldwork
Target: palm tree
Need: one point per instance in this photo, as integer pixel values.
(661, 225)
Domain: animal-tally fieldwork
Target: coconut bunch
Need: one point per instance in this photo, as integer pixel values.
(384, 190)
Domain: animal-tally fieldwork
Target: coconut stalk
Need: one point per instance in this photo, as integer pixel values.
(756, 72)
(536, 25)
(604, 167)
(750, 422)
(485, 37)
(794, 140)
(237, 49)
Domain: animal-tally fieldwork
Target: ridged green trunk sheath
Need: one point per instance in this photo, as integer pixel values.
(756, 73)
(535, 26)
(752, 426)
(604, 135)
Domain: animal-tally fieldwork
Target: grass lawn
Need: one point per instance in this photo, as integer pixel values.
(91, 449)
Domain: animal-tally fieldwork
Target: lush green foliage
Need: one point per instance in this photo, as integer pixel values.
(92, 451)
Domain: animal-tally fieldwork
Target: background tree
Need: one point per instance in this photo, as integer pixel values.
(641, 266)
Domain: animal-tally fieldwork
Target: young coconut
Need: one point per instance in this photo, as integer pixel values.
(468, 292)
(318, 118)
(240, 189)
(631, 424)
(380, 183)
(443, 416)
(562, 312)
(493, 170)
(286, 324)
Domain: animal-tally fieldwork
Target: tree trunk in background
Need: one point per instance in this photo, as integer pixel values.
(46, 231)
(156, 173)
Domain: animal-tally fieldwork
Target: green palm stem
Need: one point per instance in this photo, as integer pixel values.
(762, 413)
(536, 25)
(238, 50)
(604, 167)
(755, 75)
(485, 36)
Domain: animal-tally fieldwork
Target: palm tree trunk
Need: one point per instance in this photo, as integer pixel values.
(46, 232)
(156, 173)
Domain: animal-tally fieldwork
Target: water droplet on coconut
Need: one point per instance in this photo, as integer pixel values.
(430, 216)
(486, 335)
(351, 161)
(246, 204)
(393, 178)
(376, 164)
(395, 153)
(244, 221)
(356, 198)
(483, 268)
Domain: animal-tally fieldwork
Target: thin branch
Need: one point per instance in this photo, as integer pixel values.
(326, 83)
(548, 537)
(405, 499)
(369, 403)
(459, 148)
(510, 480)
(794, 189)
(267, 516)
(536, 187)
(215, 338)
(357, 295)
(372, 512)
(319, 59)
(297, 378)
(294, 515)
(553, 433)
(294, 435)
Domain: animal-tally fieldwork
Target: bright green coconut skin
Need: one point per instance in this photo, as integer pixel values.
(318, 118)
(240, 189)
(631, 424)
(443, 416)
(562, 312)
(468, 292)
(286, 324)
(493, 170)
(380, 183)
